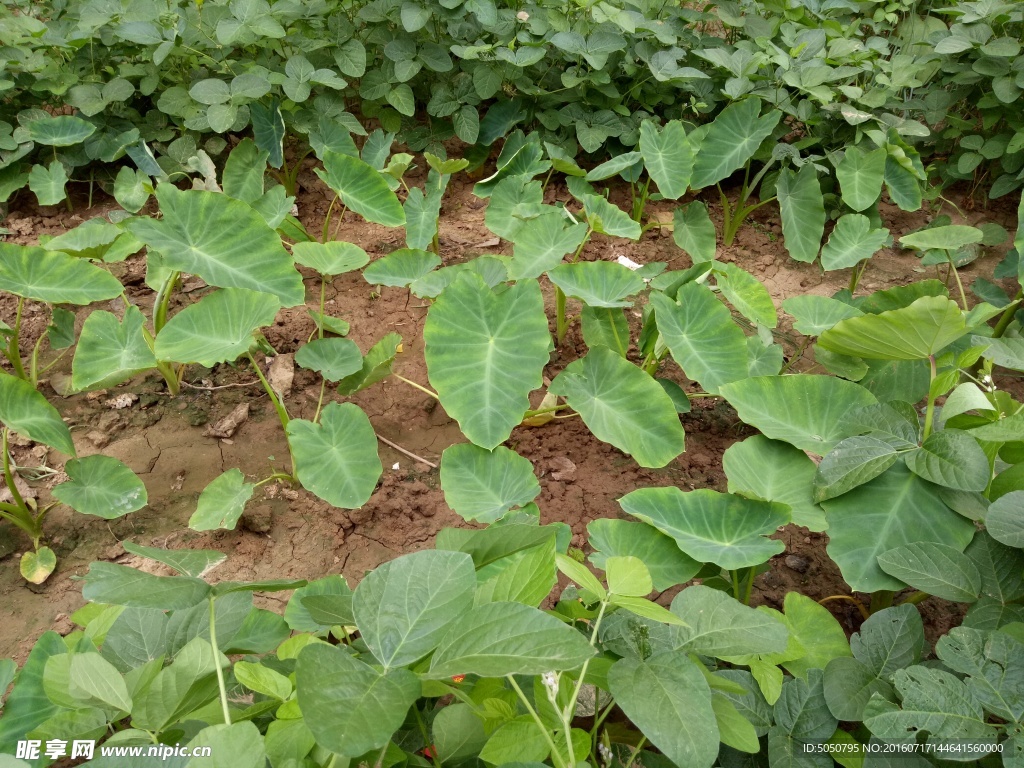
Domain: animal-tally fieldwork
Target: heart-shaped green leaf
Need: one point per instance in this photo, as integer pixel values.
(852, 241)
(361, 188)
(332, 358)
(60, 131)
(28, 413)
(541, 246)
(102, 486)
(924, 328)
(668, 565)
(333, 258)
(53, 277)
(607, 219)
(222, 502)
(803, 212)
(597, 283)
(949, 238)
(731, 140)
(694, 232)
(668, 156)
(860, 177)
(815, 314)
(483, 485)
(110, 351)
(37, 566)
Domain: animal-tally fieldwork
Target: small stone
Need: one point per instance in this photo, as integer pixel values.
(227, 426)
(124, 400)
(564, 470)
(282, 374)
(98, 438)
(258, 519)
(797, 563)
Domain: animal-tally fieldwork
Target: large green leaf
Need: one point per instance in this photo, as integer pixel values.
(377, 364)
(28, 413)
(405, 606)
(483, 485)
(485, 353)
(731, 141)
(807, 411)
(361, 188)
(400, 268)
(222, 502)
(497, 639)
(102, 486)
(951, 458)
(747, 294)
(608, 219)
(337, 458)
(222, 240)
(332, 358)
(188, 562)
(515, 203)
(606, 328)
(491, 268)
(694, 232)
(421, 214)
(1001, 567)
(860, 177)
(668, 156)
(924, 328)
(701, 335)
(1003, 520)
(667, 564)
(934, 568)
(218, 328)
(774, 471)
(803, 212)
(60, 131)
(949, 238)
(598, 283)
(815, 314)
(541, 246)
(110, 351)
(720, 625)
(994, 663)
(854, 461)
(331, 258)
(894, 509)
(121, 585)
(232, 745)
(623, 406)
(668, 698)
(49, 183)
(350, 707)
(852, 241)
(28, 705)
(711, 527)
(53, 276)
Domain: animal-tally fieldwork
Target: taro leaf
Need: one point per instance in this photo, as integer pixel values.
(188, 562)
(854, 461)
(334, 359)
(951, 458)
(361, 188)
(350, 707)
(405, 606)
(821, 636)
(694, 232)
(607, 219)
(120, 585)
(894, 509)
(902, 183)
(36, 567)
(244, 171)
(747, 294)
(102, 486)
(774, 471)
(701, 335)
(668, 157)
(994, 663)
(337, 458)
(860, 177)
(1004, 522)
(49, 182)
(901, 296)
(504, 638)
(597, 283)
(934, 568)
(731, 141)
(483, 485)
(399, 268)
(222, 502)
(815, 314)
(807, 411)
(541, 246)
(28, 413)
(605, 327)
(491, 268)
(333, 258)
(629, 164)
(218, 328)
(89, 240)
(727, 530)
(222, 240)
(668, 698)
(803, 212)
(485, 353)
(719, 625)
(948, 238)
(329, 324)
(109, 351)
(623, 406)
(61, 131)
(932, 700)
(421, 213)
(905, 380)
(514, 204)
(852, 241)
(53, 277)
(668, 566)
(376, 365)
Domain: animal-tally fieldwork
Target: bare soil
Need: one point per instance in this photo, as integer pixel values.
(291, 533)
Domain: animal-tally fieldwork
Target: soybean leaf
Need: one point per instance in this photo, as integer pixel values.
(222, 502)
(121, 585)
(332, 358)
(597, 283)
(1003, 520)
(332, 258)
(711, 527)
(924, 328)
(337, 458)
(222, 240)
(1001, 567)
(775, 471)
(218, 328)
(731, 141)
(28, 413)
(854, 461)
(860, 177)
(701, 335)
(668, 565)
(993, 662)
(720, 625)
(694, 232)
(361, 188)
(458, 733)
(483, 485)
(110, 351)
(485, 352)
(232, 745)
(53, 277)
(894, 509)
(400, 268)
(952, 458)
(189, 562)
(668, 156)
(102, 486)
(934, 568)
(803, 212)
(623, 406)
(852, 241)
(806, 411)
(95, 680)
(405, 606)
